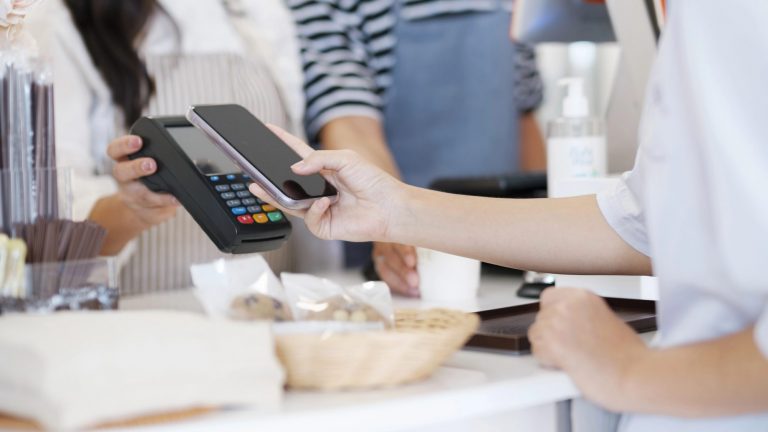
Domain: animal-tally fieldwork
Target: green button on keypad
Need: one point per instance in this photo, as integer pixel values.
(275, 216)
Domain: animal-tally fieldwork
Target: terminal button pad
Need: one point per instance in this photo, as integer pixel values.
(247, 209)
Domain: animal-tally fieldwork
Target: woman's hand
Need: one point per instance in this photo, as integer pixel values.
(148, 207)
(368, 202)
(576, 331)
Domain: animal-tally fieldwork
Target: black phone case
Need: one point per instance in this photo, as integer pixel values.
(225, 134)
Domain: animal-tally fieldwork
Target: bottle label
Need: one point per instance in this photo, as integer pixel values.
(577, 157)
(568, 158)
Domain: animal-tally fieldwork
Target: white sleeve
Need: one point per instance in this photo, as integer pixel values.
(761, 333)
(83, 111)
(74, 140)
(623, 210)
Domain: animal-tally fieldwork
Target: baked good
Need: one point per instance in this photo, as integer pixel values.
(257, 306)
(342, 308)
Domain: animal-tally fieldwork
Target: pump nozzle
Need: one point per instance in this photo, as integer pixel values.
(575, 103)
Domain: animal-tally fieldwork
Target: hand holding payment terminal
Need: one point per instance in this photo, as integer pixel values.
(209, 186)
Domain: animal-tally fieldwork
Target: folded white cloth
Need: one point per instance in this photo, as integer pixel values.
(74, 369)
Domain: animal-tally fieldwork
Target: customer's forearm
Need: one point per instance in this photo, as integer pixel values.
(364, 135)
(721, 377)
(567, 235)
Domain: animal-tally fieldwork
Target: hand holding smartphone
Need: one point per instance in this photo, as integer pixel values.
(260, 154)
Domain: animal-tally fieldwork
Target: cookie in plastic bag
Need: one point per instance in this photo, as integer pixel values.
(241, 288)
(317, 299)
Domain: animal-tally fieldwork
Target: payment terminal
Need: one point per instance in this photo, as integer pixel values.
(209, 186)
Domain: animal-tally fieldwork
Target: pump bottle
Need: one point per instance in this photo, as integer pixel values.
(575, 141)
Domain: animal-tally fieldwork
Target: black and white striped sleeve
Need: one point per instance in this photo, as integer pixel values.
(347, 55)
(529, 88)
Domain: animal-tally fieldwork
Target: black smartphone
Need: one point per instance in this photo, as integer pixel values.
(261, 154)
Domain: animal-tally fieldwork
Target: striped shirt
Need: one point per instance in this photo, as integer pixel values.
(164, 253)
(348, 56)
(415, 9)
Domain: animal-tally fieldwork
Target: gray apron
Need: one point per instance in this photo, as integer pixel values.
(451, 111)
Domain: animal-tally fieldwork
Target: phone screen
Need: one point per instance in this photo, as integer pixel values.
(264, 150)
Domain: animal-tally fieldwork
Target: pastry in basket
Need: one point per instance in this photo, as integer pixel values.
(259, 306)
(342, 308)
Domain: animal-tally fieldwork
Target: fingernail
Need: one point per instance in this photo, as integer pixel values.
(413, 280)
(173, 200)
(135, 143)
(148, 166)
(298, 165)
(414, 293)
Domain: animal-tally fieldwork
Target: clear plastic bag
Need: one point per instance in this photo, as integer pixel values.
(241, 289)
(313, 298)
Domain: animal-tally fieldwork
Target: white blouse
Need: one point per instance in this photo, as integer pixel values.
(695, 201)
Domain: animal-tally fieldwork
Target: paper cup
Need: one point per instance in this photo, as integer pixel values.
(447, 278)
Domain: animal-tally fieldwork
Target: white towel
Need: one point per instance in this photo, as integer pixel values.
(75, 369)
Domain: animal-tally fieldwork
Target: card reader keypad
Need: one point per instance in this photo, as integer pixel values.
(244, 207)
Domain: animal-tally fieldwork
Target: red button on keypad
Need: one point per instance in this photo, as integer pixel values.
(245, 219)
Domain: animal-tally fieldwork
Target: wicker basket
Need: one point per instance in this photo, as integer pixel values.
(420, 343)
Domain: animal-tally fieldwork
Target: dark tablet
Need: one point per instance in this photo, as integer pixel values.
(506, 329)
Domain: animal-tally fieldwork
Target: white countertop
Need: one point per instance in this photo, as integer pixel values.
(496, 291)
(470, 384)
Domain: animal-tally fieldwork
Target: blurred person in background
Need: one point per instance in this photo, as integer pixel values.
(116, 60)
(424, 89)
